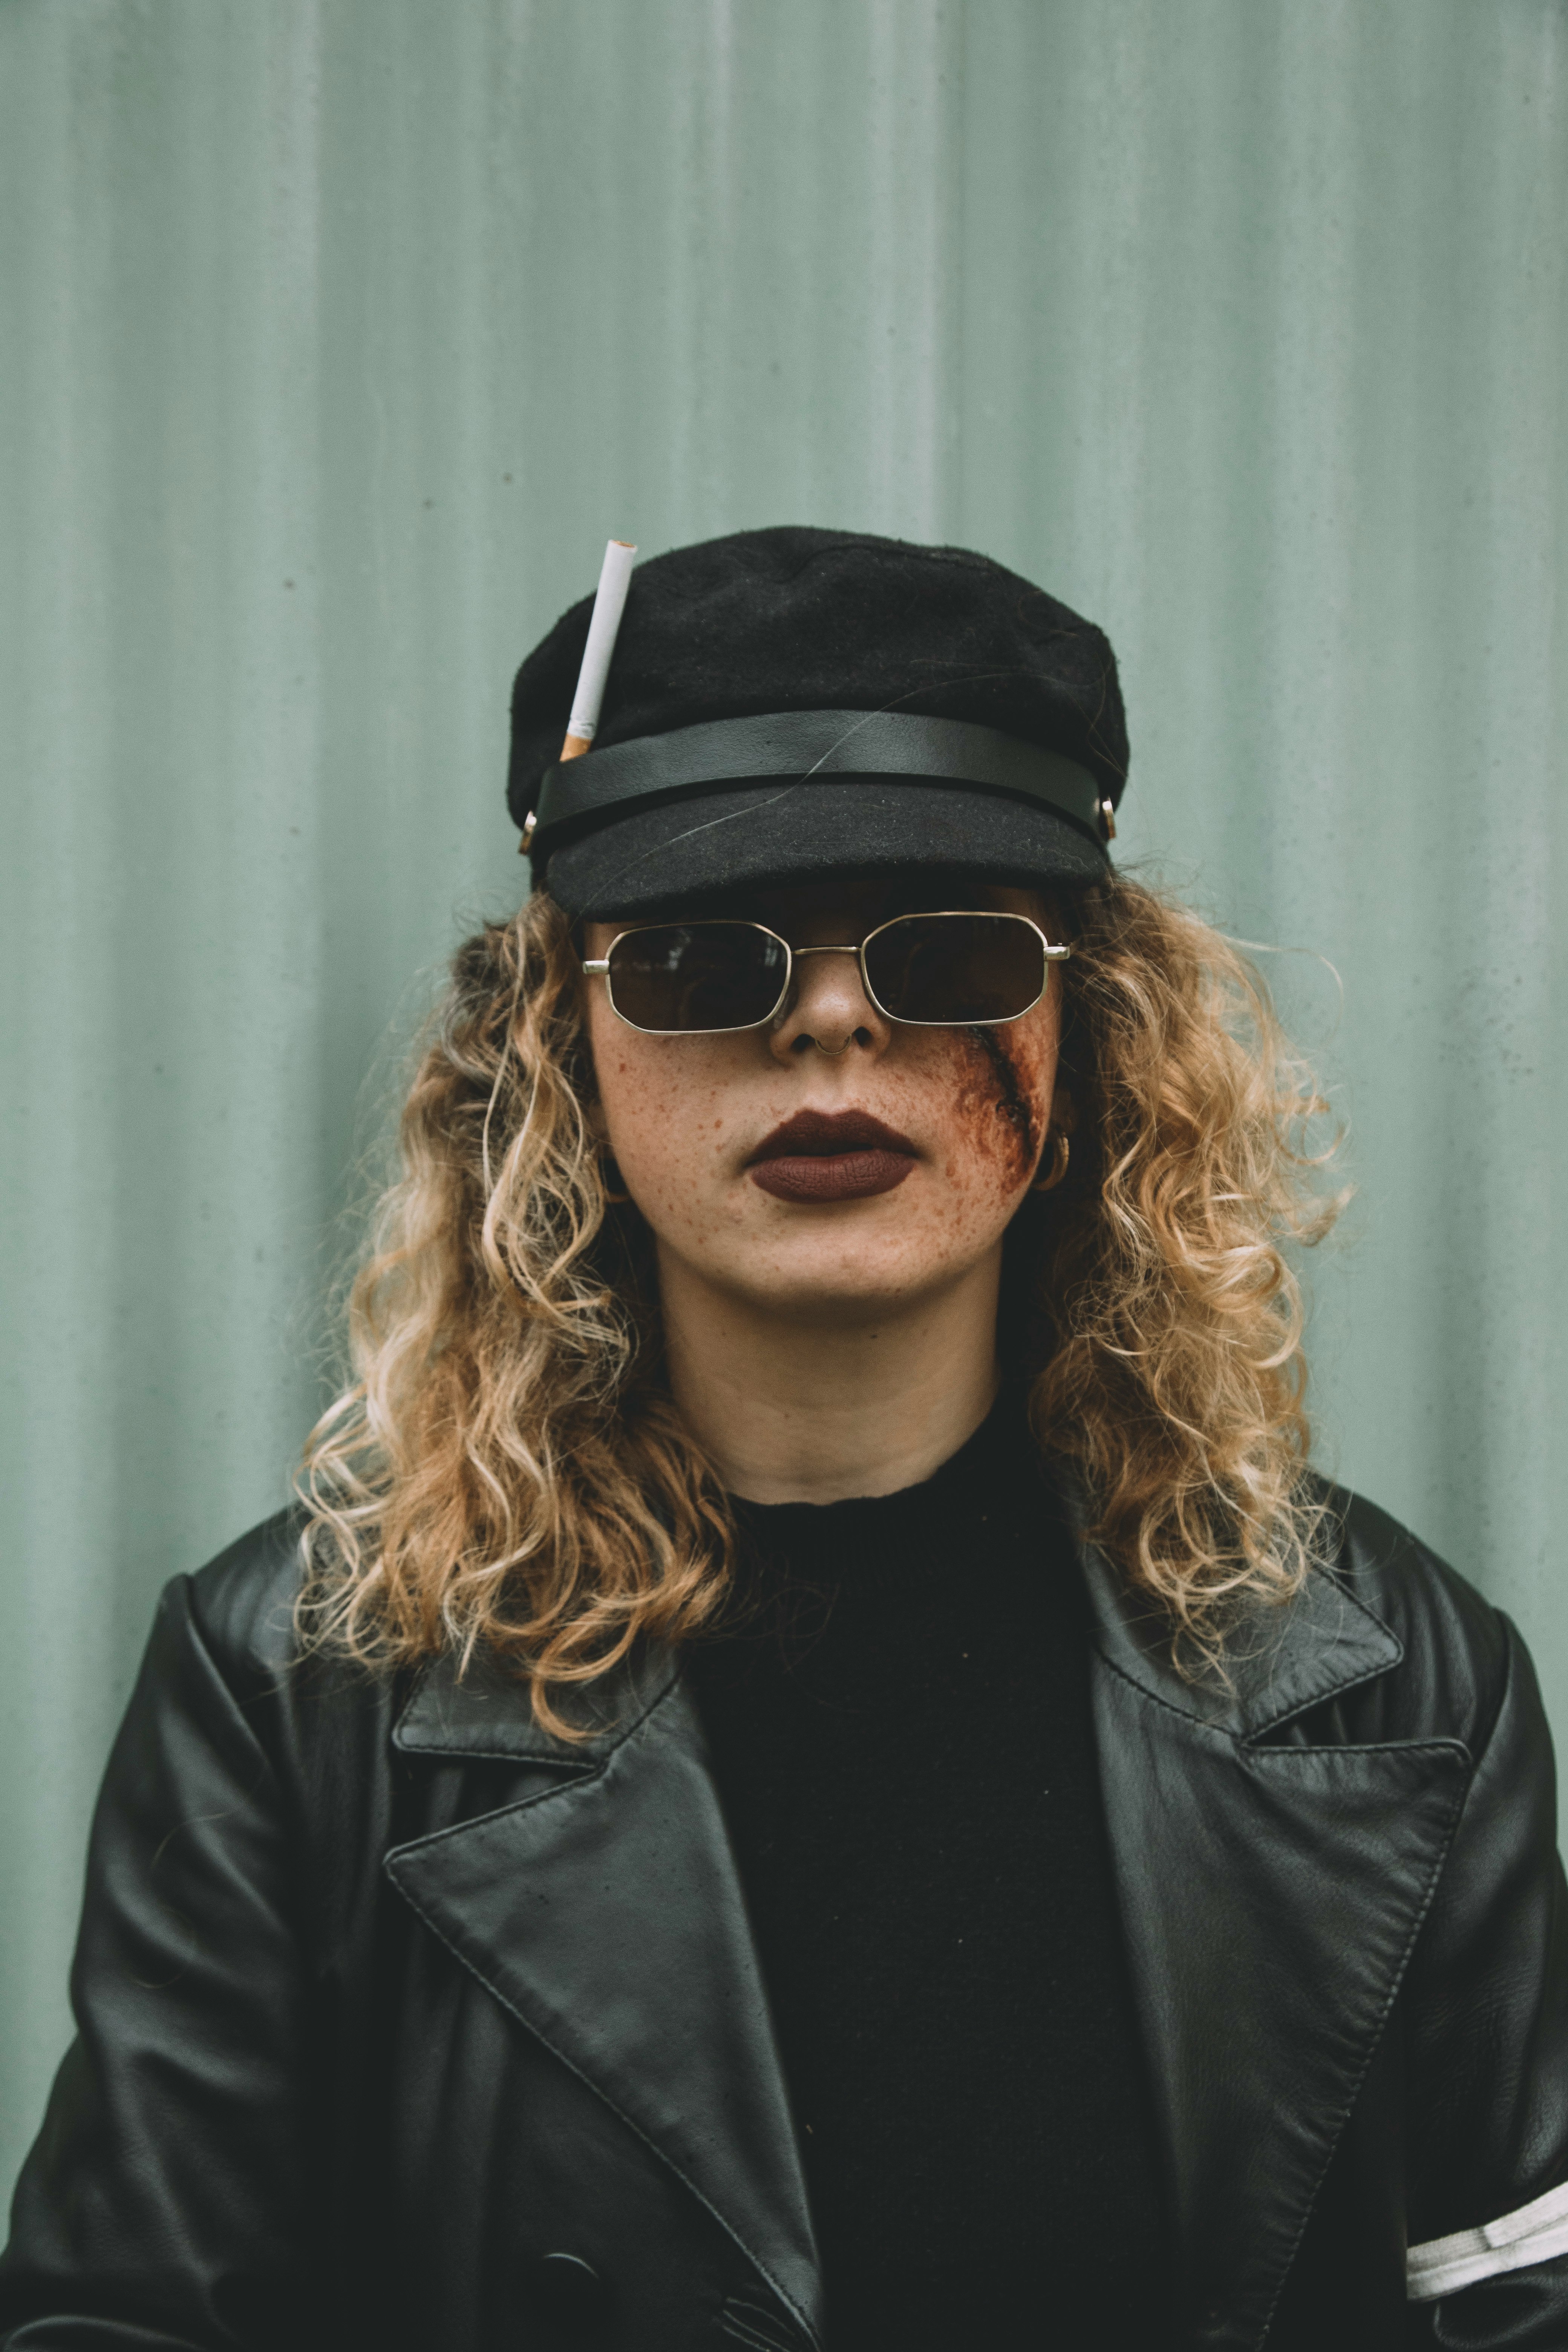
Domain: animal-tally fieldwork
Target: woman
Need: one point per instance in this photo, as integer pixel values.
(815, 1767)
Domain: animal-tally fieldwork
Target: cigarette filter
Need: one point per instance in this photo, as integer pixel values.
(609, 602)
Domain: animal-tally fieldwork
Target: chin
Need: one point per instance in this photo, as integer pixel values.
(851, 1277)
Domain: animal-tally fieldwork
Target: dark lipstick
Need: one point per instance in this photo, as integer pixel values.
(843, 1155)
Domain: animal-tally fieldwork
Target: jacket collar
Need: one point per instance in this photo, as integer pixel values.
(483, 1712)
(1280, 1661)
(1285, 1661)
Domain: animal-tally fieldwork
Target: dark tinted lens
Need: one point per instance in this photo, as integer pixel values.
(697, 976)
(956, 968)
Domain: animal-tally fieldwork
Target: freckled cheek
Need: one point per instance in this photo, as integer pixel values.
(982, 1161)
(666, 1119)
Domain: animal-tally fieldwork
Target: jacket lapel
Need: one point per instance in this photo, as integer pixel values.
(1271, 1893)
(606, 1912)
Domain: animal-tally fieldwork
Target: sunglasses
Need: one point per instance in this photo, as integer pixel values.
(928, 971)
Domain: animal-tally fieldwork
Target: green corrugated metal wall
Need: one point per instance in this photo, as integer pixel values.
(340, 333)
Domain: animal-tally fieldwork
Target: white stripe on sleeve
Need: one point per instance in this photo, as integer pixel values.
(1533, 2234)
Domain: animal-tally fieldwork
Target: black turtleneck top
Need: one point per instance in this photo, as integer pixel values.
(898, 1711)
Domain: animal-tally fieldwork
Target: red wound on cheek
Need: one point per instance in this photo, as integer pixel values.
(995, 1100)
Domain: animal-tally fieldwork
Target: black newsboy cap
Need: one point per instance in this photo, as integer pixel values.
(783, 702)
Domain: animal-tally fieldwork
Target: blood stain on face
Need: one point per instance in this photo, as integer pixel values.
(998, 1096)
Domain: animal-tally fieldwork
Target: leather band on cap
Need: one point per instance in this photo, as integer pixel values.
(793, 746)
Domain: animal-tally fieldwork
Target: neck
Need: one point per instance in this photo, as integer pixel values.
(793, 1409)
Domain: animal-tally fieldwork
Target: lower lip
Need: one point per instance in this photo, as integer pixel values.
(838, 1176)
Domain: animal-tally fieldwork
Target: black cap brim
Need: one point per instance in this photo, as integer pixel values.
(763, 835)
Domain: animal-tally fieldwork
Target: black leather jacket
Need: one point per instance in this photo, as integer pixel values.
(403, 2024)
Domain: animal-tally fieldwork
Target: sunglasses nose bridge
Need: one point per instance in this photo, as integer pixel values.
(832, 1003)
(790, 997)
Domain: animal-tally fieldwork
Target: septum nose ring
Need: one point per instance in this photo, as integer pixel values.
(832, 1052)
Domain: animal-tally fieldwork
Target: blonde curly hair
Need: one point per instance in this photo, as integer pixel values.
(507, 1469)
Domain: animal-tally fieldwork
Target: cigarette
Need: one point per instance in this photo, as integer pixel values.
(609, 602)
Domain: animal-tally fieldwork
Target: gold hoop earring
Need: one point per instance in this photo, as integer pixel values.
(1061, 1153)
(613, 1198)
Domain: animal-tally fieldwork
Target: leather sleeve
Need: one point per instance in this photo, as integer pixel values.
(1487, 2016)
(163, 2203)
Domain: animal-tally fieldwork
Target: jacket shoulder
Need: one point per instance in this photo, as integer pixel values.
(323, 1718)
(1454, 1645)
(243, 1603)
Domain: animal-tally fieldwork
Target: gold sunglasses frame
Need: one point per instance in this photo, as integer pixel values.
(599, 967)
